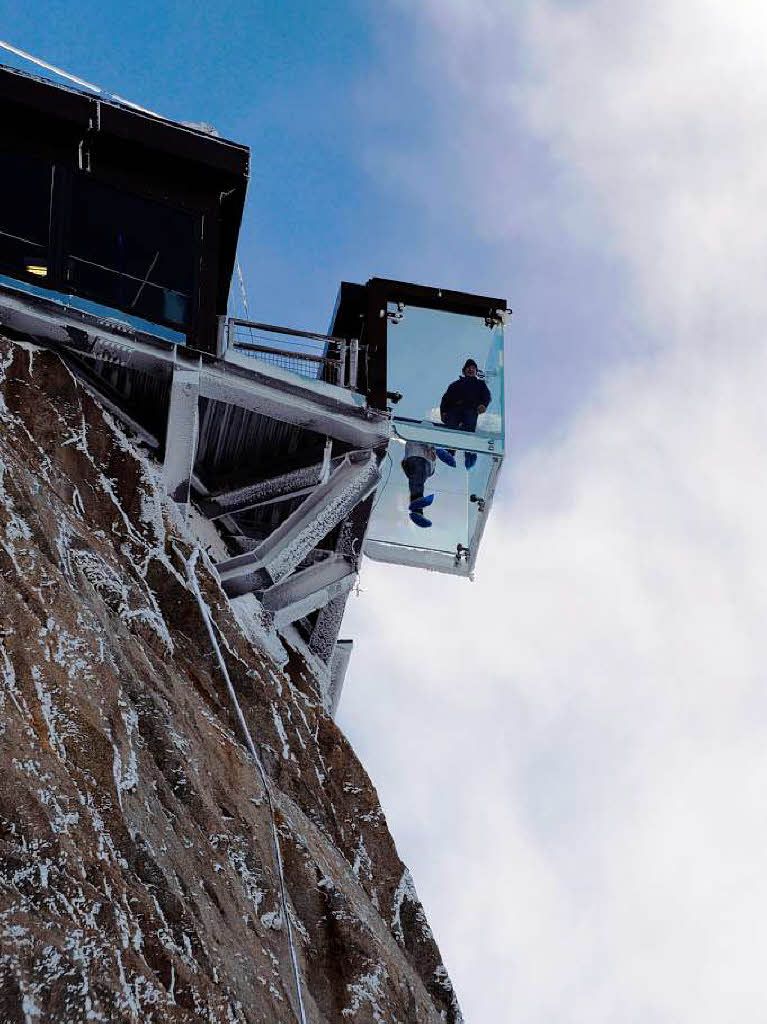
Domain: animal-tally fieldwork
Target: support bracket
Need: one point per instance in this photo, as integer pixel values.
(183, 423)
(278, 555)
(304, 592)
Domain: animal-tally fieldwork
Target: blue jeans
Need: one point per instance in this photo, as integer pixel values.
(460, 418)
(417, 471)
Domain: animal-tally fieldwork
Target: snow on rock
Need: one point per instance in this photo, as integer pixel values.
(138, 876)
(255, 623)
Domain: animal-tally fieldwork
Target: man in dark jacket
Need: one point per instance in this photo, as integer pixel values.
(463, 401)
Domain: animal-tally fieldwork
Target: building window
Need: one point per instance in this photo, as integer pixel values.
(131, 252)
(25, 215)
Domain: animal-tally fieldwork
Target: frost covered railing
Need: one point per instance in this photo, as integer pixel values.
(316, 356)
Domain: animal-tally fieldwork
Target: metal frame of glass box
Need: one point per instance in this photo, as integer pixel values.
(372, 313)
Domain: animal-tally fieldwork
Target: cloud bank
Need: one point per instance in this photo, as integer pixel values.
(571, 751)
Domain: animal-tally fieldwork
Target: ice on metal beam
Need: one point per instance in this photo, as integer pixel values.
(96, 386)
(339, 663)
(351, 535)
(306, 591)
(313, 405)
(89, 335)
(268, 390)
(279, 554)
(261, 492)
(183, 417)
(323, 639)
(267, 490)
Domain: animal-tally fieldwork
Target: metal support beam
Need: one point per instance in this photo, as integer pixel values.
(354, 354)
(267, 490)
(277, 556)
(105, 395)
(261, 492)
(181, 437)
(322, 642)
(314, 405)
(304, 592)
(268, 390)
(338, 666)
(350, 542)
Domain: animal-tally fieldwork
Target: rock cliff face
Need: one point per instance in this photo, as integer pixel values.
(138, 872)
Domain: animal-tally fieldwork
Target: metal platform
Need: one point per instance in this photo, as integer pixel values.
(286, 465)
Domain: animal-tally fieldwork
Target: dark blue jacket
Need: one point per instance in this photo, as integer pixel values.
(466, 393)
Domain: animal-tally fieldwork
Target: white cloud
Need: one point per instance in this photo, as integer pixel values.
(572, 751)
(652, 117)
(660, 109)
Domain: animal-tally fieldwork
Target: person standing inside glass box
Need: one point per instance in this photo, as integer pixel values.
(418, 465)
(461, 404)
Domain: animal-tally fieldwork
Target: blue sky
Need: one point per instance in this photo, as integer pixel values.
(570, 751)
(336, 101)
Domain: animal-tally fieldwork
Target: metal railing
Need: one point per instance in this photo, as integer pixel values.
(315, 356)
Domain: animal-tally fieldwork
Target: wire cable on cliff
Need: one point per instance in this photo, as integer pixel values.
(207, 619)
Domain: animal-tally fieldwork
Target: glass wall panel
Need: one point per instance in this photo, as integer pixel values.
(131, 252)
(411, 471)
(493, 421)
(25, 212)
(428, 513)
(481, 483)
(445, 377)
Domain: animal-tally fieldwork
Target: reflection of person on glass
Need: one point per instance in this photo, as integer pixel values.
(463, 401)
(418, 465)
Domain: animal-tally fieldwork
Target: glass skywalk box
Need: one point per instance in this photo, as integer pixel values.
(443, 535)
(435, 360)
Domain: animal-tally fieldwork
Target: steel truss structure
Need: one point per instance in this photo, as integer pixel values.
(226, 431)
(118, 235)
